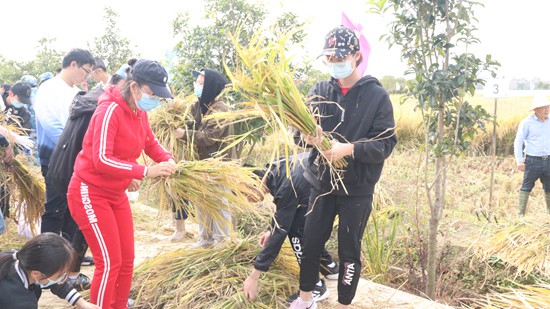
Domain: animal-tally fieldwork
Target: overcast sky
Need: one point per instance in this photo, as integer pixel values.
(514, 32)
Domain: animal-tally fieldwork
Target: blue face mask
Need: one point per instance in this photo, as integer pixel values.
(198, 91)
(50, 282)
(147, 102)
(16, 103)
(341, 69)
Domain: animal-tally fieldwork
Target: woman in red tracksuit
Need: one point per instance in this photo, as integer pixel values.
(118, 133)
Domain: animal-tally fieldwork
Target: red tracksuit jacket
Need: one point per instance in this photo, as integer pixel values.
(115, 139)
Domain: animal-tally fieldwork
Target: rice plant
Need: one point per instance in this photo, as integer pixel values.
(524, 296)
(30, 193)
(212, 278)
(266, 80)
(523, 244)
(211, 184)
(379, 242)
(170, 116)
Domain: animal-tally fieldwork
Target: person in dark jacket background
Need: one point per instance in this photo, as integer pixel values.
(4, 202)
(17, 115)
(290, 195)
(18, 96)
(208, 136)
(61, 169)
(42, 263)
(361, 126)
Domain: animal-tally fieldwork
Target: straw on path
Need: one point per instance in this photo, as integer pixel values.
(212, 278)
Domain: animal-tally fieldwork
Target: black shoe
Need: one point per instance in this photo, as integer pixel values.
(87, 261)
(292, 297)
(81, 283)
(331, 273)
(319, 293)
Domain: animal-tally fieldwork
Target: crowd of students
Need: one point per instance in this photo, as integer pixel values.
(89, 144)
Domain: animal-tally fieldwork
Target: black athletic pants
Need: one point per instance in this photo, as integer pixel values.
(57, 219)
(353, 213)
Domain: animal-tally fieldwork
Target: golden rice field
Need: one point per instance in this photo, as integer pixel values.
(510, 111)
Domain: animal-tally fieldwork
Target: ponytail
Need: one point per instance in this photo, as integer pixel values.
(48, 253)
(6, 260)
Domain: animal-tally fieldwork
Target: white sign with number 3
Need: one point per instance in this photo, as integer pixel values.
(496, 88)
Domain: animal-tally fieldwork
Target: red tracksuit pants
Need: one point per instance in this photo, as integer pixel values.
(106, 222)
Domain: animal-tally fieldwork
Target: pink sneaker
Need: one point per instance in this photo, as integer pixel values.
(300, 304)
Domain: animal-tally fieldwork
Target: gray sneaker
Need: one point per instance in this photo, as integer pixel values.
(81, 283)
(202, 243)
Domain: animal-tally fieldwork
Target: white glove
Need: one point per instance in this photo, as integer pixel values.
(24, 141)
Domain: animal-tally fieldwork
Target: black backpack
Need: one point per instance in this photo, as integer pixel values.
(60, 169)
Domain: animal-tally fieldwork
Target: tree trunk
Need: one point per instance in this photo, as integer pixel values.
(436, 210)
(432, 258)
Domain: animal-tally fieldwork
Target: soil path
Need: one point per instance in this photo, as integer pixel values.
(151, 239)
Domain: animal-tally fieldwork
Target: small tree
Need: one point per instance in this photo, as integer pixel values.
(48, 59)
(208, 45)
(434, 36)
(10, 70)
(111, 47)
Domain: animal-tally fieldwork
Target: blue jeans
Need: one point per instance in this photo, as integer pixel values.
(536, 168)
(181, 213)
(2, 223)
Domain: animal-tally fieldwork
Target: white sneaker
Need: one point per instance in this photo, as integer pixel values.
(202, 243)
(319, 293)
(300, 304)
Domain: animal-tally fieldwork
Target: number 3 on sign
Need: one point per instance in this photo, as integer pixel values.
(496, 88)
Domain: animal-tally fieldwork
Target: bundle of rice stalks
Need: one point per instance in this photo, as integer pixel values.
(526, 296)
(266, 80)
(29, 194)
(170, 116)
(523, 245)
(212, 278)
(211, 185)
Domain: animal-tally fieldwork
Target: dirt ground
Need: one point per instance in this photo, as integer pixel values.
(151, 239)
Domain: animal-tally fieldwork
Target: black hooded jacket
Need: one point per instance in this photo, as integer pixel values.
(17, 293)
(68, 146)
(364, 117)
(208, 135)
(214, 83)
(291, 196)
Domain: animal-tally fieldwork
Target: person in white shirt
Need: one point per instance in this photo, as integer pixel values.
(53, 100)
(99, 72)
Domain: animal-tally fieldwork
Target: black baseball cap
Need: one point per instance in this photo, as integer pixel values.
(23, 91)
(153, 75)
(340, 42)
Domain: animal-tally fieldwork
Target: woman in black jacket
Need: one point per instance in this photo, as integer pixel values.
(357, 114)
(42, 263)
